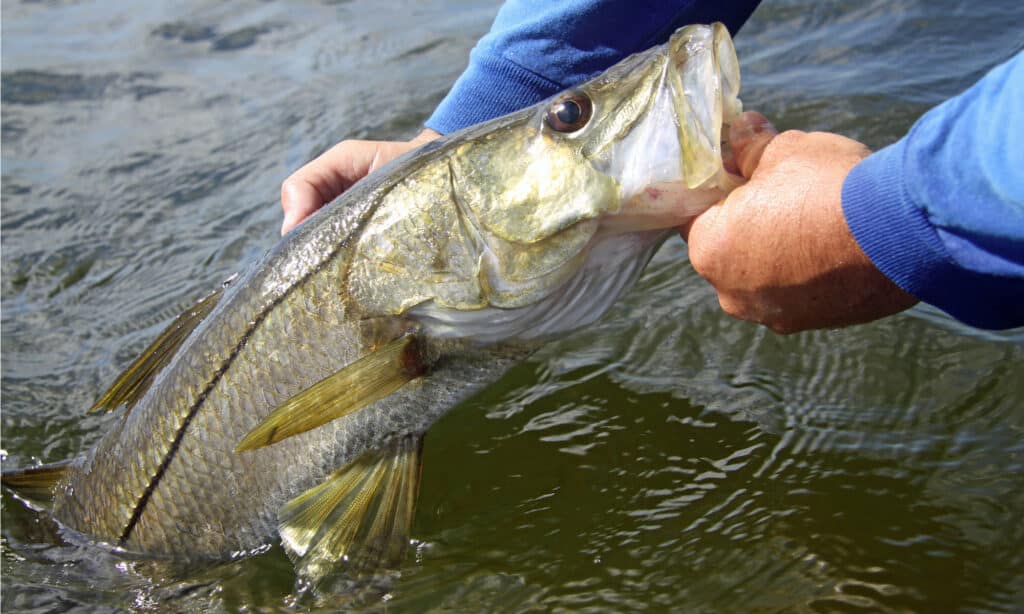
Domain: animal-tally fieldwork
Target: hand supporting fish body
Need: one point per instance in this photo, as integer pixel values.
(291, 404)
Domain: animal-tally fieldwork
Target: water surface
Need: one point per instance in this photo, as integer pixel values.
(666, 458)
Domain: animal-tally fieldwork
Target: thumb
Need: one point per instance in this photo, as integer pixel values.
(748, 137)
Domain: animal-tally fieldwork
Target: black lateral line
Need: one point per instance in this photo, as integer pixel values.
(201, 398)
(180, 434)
(194, 409)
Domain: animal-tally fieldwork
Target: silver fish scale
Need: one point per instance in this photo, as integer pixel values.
(192, 491)
(217, 370)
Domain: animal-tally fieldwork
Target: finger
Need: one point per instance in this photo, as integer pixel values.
(335, 170)
(323, 179)
(748, 137)
(299, 200)
(700, 227)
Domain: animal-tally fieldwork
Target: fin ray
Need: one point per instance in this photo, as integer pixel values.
(135, 380)
(355, 386)
(35, 485)
(360, 517)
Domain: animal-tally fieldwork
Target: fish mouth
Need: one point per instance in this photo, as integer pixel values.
(544, 227)
(704, 75)
(668, 176)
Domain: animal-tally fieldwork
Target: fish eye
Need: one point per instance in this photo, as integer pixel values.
(569, 113)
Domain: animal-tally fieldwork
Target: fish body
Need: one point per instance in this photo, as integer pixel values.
(291, 405)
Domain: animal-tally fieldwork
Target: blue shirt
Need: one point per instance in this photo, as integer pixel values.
(941, 212)
(537, 49)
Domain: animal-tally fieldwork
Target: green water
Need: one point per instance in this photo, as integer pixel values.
(666, 458)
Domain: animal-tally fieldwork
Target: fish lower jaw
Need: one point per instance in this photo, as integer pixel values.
(661, 206)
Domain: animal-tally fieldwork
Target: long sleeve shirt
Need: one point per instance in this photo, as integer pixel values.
(537, 49)
(941, 212)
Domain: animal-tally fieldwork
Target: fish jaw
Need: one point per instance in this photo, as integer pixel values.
(497, 232)
(668, 176)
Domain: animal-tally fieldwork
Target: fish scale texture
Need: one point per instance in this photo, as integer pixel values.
(319, 342)
(209, 501)
(464, 212)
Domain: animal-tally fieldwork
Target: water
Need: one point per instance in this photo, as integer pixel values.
(666, 458)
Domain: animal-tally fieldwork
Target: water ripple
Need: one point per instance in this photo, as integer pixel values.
(667, 457)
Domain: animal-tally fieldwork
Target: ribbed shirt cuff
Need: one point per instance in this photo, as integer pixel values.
(490, 87)
(896, 234)
(891, 230)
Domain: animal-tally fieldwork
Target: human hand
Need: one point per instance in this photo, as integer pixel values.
(334, 171)
(777, 249)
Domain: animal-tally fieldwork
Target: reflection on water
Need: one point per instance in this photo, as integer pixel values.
(666, 458)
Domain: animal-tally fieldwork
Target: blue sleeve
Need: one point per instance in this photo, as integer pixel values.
(536, 49)
(941, 212)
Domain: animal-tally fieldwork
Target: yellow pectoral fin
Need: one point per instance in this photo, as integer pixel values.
(131, 385)
(360, 517)
(35, 485)
(366, 380)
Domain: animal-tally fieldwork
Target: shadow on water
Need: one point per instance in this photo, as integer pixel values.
(665, 458)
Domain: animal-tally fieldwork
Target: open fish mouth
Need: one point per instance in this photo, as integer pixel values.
(669, 164)
(607, 170)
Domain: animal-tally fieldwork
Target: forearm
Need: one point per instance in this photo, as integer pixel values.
(537, 49)
(941, 212)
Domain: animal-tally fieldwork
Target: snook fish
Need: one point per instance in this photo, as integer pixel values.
(291, 403)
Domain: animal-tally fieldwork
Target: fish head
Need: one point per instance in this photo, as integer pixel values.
(586, 154)
(557, 207)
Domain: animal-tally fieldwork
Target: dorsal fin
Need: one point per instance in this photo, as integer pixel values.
(356, 385)
(132, 384)
(360, 517)
(35, 485)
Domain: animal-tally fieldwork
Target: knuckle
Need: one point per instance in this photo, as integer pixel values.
(291, 183)
(288, 187)
(292, 187)
(732, 307)
(789, 138)
(700, 263)
(708, 267)
(704, 249)
(780, 327)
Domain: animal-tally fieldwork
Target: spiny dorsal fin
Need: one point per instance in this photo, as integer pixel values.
(358, 384)
(360, 517)
(35, 485)
(132, 384)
